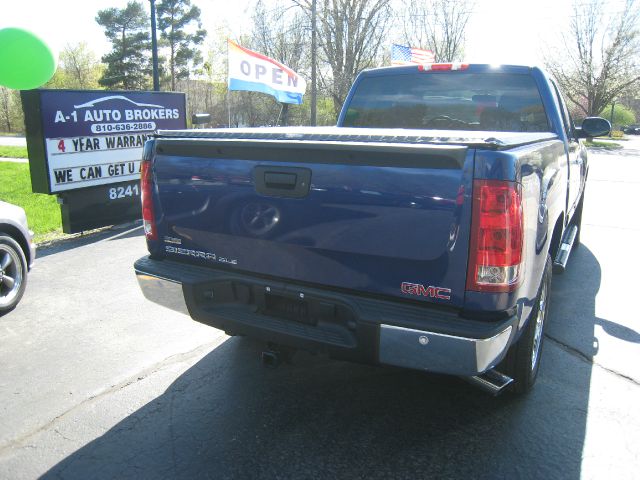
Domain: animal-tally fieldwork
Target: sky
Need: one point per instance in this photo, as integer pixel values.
(499, 31)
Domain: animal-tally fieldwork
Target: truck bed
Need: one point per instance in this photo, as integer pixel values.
(379, 209)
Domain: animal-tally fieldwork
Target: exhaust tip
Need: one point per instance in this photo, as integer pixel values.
(490, 381)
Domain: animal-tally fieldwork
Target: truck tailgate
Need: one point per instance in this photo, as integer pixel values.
(377, 218)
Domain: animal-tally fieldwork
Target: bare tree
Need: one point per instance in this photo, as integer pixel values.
(11, 116)
(77, 68)
(437, 25)
(81, 64)
(280, 32)
(5, 109)
(351, 33)
(598, 58)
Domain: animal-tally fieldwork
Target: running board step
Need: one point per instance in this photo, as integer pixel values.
(562, 257)
(491, 381)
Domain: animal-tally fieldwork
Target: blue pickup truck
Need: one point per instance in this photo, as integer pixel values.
(422, 231)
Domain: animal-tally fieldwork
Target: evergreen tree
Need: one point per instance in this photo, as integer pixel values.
(175, 18)
(128, 65)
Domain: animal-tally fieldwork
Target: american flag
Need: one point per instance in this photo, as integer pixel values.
(403, 55)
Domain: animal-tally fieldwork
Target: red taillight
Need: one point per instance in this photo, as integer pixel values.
(495, 255)
(148, 218)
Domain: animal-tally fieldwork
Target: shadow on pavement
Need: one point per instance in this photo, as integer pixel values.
(113, 233)
(573, 297)
(228, 417)
(619, 331)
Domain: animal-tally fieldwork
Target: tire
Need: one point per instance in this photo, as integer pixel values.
(13, 274)
(522, 362)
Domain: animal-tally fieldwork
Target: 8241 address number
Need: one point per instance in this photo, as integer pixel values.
(123, 192)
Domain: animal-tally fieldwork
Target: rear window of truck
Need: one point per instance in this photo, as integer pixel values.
(448, 101)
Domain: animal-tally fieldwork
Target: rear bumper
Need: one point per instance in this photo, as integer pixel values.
(437, 352)
(344, 325)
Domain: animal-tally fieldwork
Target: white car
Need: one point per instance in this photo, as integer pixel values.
(17, 252)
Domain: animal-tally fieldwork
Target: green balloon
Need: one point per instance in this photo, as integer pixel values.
(26, 62)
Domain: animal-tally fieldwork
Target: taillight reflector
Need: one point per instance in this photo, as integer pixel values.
(148, 218)
(495, 254)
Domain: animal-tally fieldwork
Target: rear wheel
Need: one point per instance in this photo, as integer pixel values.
(523, 359)
(13, 273)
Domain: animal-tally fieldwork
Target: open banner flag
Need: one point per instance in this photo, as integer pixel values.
(254, 72)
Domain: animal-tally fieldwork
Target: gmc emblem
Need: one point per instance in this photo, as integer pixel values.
(433, 292)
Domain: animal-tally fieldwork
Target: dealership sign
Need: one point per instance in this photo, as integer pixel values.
(95, 138)
(86, 146)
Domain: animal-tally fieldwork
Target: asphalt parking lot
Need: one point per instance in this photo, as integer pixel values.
(96, 382)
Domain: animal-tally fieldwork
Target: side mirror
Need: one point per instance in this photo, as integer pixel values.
(594, 127)
(200, 118)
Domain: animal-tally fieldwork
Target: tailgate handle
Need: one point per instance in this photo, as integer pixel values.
(280, 180)
(273, 181)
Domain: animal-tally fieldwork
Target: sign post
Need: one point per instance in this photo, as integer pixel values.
(86, 147)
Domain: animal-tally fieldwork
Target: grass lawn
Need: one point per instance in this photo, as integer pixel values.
(604, 145)
(43, 211)
(13, 152)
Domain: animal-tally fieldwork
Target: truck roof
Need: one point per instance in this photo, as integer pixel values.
(468, 67)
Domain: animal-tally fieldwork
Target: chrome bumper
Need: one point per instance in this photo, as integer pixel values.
(163, 292)
(32, 249)
(440, 353)
(402, 347)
